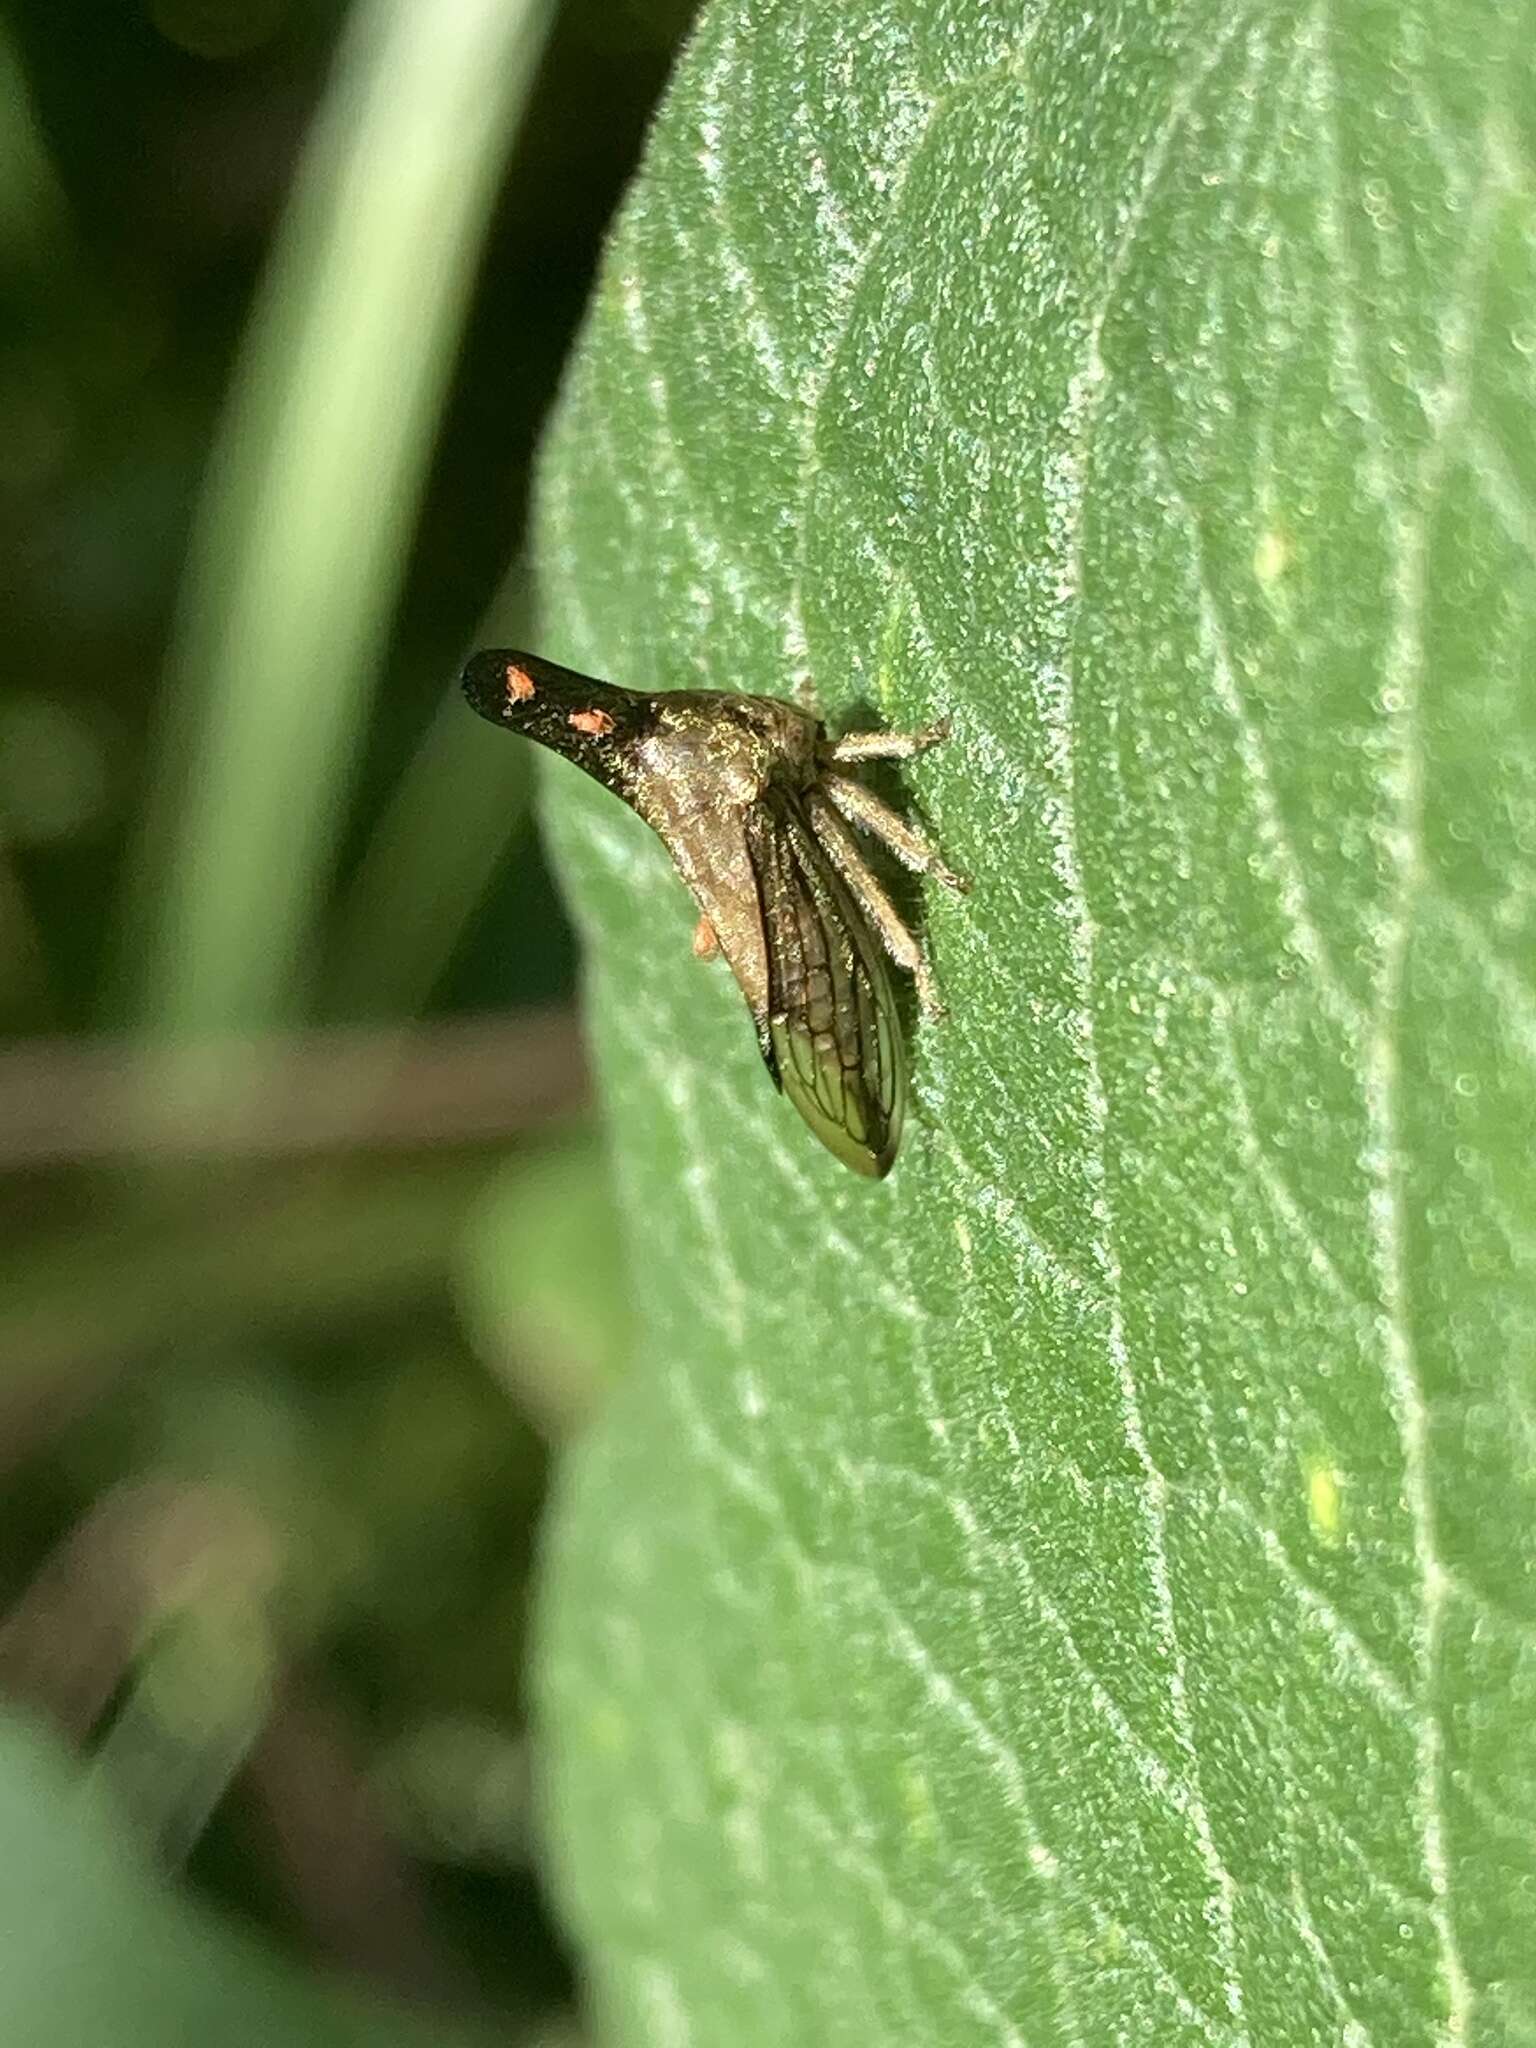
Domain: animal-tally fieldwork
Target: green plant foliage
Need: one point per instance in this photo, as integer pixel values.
(541, 1282)
(1080, 1591)
(307, 514)
(99, 1953)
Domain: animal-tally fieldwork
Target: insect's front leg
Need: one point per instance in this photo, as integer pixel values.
(885, 746)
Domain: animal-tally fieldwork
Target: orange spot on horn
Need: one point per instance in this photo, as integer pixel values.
(706, 943)
(519, 684)
(597, 723)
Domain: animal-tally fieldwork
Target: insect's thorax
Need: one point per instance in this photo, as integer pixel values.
(726, 750)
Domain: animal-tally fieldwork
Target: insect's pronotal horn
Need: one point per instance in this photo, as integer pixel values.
(540, 697)
(597, 725)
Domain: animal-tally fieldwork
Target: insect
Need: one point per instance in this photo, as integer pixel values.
(754, 803)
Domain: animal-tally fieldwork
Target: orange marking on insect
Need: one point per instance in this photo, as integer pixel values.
(706, 943)
(597, 723)
(520, 685)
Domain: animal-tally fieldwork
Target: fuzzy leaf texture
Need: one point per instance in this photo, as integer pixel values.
(1081, 1590)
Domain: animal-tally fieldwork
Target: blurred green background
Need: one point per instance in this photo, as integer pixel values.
(306, 1262)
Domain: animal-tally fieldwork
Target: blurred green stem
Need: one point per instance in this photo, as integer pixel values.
(310, 501)
(33, 215)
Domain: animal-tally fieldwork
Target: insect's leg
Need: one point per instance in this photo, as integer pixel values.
(885, 746)
(911, 847)
(840, 847)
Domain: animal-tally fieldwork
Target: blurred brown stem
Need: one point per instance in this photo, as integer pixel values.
(361, 1901)
(65, 1100)
(146, 1547)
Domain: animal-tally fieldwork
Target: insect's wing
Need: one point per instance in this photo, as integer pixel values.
(707, 839)
(832, 1019)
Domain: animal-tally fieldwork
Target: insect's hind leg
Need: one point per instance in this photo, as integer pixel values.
(914, 849)
(841, 848)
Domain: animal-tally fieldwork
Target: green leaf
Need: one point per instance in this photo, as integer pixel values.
(1081, 1590)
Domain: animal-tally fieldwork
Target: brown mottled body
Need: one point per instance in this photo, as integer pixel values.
(747, 794)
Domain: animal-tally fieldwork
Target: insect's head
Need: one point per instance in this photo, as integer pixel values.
(591, 723)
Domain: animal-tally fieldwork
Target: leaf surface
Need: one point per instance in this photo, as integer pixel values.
(1079, 1590)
